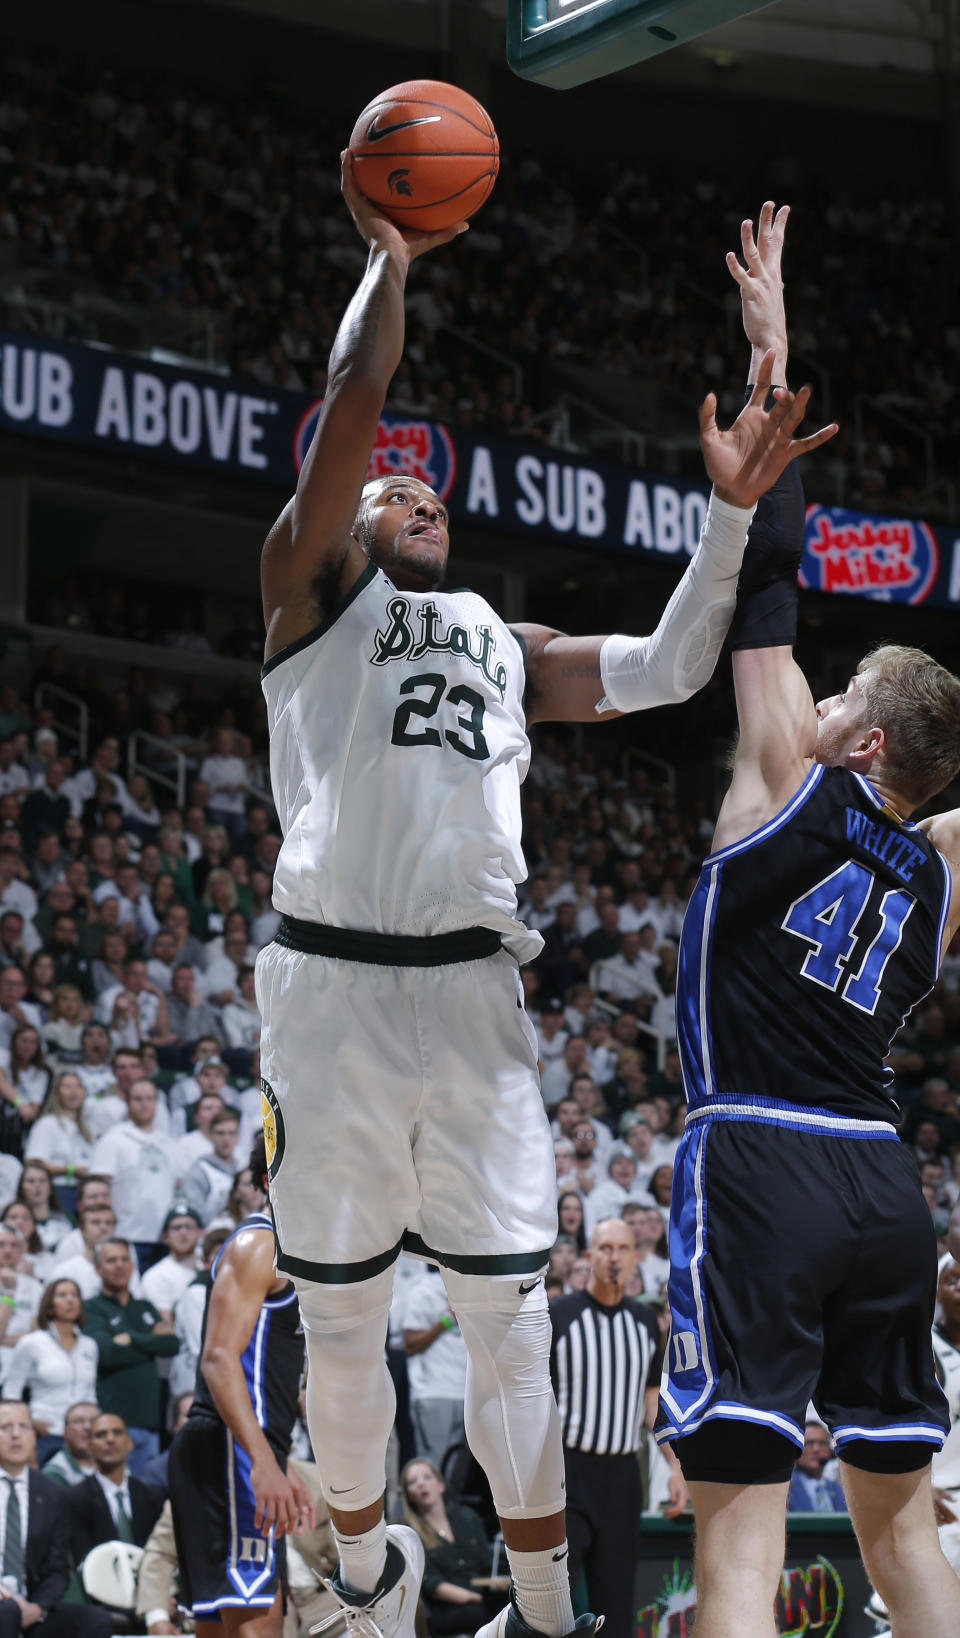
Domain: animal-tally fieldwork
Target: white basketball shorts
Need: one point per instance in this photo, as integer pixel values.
(402, 1110)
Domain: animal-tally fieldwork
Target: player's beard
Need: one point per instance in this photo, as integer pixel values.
(408, 568)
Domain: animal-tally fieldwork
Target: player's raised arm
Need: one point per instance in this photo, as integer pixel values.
(310, 557)
(577, 678)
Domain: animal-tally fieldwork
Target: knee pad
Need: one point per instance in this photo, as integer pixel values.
(350, 1396)
(510, 1414)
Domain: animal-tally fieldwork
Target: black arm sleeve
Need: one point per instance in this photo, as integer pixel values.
(766, 613)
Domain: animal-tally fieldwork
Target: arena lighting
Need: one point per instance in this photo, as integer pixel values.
(566, 42)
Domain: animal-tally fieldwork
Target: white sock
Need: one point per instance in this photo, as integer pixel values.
(541, 1584)
(362, 1557)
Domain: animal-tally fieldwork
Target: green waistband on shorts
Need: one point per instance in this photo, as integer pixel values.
(387, 949)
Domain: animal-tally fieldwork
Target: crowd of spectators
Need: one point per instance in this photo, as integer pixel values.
(174, 204)
(129, 1047)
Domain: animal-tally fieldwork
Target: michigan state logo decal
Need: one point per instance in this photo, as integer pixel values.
(274, 1136)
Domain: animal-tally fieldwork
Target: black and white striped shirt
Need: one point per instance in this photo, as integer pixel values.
(601, 1361)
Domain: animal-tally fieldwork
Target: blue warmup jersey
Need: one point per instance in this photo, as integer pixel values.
(804, 947)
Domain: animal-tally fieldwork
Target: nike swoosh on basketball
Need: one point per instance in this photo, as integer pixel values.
(530, 1285)
(376, 133)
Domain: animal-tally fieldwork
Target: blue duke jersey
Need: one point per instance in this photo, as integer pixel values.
(804, 947)
(272, 1361)
(397, 749)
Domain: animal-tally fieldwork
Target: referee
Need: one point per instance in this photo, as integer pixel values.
(605, 1364)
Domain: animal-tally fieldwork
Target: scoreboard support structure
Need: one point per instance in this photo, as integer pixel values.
(566, 42)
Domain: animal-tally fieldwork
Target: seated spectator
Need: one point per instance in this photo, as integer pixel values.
(214, 854)
(226, 776)
(95, 1068)
(661, 1184)
(637, 1133)
(107, 968)
(136, 1157)
(558, 1071)
(73, 1460)
(37, 1191)
(436, 1367)
(130, 1337)
(620, 1188)
(457, 1552)
(625, 981)
(151, 1021)
(198, 1143)
(112, 1504)
(36, 1260)
(55, 1364)
(92, 1190)
(244, 1199)
(19, 1293)
(563, 1158)
(60, 1138)
(105, 1109)
(563, 1255)
(41, 977)
(98, 1222)
(27, 1072)
(209, 1075)
(809, 1491)
(38, 1566)
(570, 1218)
(165, 1283)
(209, 1181)
(63, 1030)
(221, 978)
(241, 1017)
(219, 898)
(189, 1014)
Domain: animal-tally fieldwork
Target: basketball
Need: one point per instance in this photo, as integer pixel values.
(425, 153)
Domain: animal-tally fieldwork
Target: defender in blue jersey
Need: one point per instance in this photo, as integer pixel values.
(803, 1255)
(231, 1496)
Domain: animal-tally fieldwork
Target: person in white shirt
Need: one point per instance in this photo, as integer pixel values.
(209, 1075)
(206, 1186)
(56, 1363)
(646, 1225)
(226, 777)
(220, 982)
(637, 1133)
(620, 1189)
(136, 1157)
(36, 1191)
(103, 765)
(15, 891)
(97, 1223)
(95, 1069)
(165, 1283)
(558, 1072)
(436, 1368)
(151, 1004)
(197, 1144)
(241, 1017)
(19, 1293)
(626, 978)
(91, 1191)
(60, 1137)
(106, 1107)
(552, 1032)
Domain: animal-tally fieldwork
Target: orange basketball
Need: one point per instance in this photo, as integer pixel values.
(426, 153)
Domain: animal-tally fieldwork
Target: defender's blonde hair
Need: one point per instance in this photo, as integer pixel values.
(916, 702)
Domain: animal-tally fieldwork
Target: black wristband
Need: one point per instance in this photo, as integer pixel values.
(766, 612)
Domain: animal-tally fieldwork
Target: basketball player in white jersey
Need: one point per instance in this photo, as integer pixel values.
(399, 1068)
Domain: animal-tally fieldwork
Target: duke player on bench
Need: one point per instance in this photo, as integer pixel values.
(398, 1063)
(803, 1255)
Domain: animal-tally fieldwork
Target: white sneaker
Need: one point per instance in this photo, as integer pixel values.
(390, 1611)
(510, 1624)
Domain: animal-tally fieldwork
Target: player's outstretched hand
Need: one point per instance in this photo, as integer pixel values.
(761, 282)
(373, 225)
(747, 459)
(276, 1501)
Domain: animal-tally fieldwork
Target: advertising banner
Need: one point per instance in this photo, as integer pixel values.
(116, 403)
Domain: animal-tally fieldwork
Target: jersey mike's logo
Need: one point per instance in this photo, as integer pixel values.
(889, 559)
(412, 449)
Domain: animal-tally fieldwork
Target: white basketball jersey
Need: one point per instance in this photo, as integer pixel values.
(397, 750)
(946, 1462)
